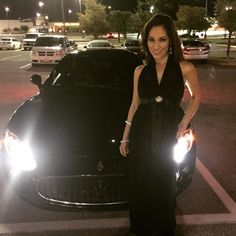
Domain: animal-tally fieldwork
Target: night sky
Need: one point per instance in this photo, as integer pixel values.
(28, 8)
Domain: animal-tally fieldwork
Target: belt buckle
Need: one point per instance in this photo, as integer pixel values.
(158, 99)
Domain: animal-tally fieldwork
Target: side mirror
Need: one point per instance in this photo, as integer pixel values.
(37, 80)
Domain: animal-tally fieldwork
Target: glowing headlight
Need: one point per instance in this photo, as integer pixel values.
(19, 154)
(183, 146)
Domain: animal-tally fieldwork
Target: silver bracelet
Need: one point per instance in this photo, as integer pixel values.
(124, 141)
(128, 123)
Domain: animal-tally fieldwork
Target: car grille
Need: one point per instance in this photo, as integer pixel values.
(29, 43)
(84, 190)
(46, 54)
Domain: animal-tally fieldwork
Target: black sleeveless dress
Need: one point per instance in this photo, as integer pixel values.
(152, 138)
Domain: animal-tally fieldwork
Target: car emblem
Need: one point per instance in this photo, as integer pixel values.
(100, 166)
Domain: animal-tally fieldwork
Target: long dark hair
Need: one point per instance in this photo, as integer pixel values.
(169, 25)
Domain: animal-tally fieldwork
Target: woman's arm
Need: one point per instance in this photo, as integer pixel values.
(124, 150)
(191, 80)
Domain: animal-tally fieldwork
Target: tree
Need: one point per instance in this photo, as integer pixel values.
(169, 7)
(138, 20)
(93, 20)
(119, 21)
(192, 19)
(227, 18)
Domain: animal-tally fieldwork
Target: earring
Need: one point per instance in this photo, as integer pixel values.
(170, 51)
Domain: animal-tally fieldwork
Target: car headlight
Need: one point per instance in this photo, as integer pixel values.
(33, 53)
(20, 157)
(60, 52)
(183, 146)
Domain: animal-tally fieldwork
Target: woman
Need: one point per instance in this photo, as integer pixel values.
(155, 121)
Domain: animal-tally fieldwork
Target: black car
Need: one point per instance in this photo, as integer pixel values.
(61, 147)
(134, 45)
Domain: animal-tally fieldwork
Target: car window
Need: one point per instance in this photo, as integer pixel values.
(98, 71)
(49, 41)
(193, 44)
(132, 43)
(99, 44)
(6, 40)
(30, 36)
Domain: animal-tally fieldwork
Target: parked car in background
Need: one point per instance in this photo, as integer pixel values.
(195, 50)
(50, 49)
(61, 147)
(99, 44)
(29, 40)
(10, 43)
(134, 45)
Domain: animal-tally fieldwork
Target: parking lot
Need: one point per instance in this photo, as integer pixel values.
(207, 207)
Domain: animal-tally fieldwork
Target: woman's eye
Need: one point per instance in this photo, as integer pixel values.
(163, 40)
(150, 39)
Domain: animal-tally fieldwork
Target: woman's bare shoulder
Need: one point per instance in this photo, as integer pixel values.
(186, 66)
(139, 69)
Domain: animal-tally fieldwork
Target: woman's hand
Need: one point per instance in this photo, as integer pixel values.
(181, 130)
(124, 149)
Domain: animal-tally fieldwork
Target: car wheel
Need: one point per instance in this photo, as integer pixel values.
(34, 65)
(13, 47)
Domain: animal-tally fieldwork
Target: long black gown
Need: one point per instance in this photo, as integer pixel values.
(152, 138)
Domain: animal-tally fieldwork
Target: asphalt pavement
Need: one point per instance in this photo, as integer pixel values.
(215, 215)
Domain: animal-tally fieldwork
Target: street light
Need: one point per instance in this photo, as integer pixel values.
(41, 4)
(206, 9)
(80, 7)
(152, 9)
(69, 12)
(63, 17)
(7, 9)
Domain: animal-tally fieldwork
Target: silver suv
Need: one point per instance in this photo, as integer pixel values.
(49, 49)
(29, 40)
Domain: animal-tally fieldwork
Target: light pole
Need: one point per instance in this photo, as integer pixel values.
(206, 7)
(7, 9)
(80, 7)
(228, 8)
(41, 4)
(69, 12)
(63, 16)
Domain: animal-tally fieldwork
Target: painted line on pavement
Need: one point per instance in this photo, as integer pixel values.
(27, 65)
(216, 187)
(6, 58)
(108, 223)
(116, 223)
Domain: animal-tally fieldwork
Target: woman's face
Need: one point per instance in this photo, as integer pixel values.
(158, 42)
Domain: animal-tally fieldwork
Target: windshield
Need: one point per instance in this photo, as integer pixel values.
(49, 41)
(99, 44)
(193, 44)
(132, 43)
(30, 36)
(94, 71)
(6, 40)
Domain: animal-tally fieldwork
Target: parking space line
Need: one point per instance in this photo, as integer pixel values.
(123, 222)
(27, 65)
(107, 223)
(216, 187)
(6, 58)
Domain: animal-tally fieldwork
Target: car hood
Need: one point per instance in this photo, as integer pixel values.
(86, 121)
(47, 48)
